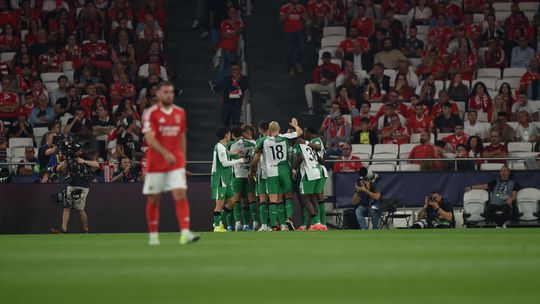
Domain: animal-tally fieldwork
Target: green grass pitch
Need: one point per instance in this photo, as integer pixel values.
(393, 266)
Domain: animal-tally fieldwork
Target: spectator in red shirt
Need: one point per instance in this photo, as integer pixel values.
(7, 16)
(230, 30)
(397, 5)
(72, 52)
(480, 100)
(347, 166)
(530, 81)
(395, 133)
(95, 49)
(413, 101)
(293, 15)
(91, 101)
(364, 23)
(494, 56)
(123, 90)
(496, 149)
(9, 41)
(458, 138)
(50, 61)
(318, 11)
(346, 46)
(441, 33)
(91, 20)
(436, 109)
(9, 102)
(420, 121)
(347, 105)
(475, 6)
(464, 62)
(324, 80)
(424, 150)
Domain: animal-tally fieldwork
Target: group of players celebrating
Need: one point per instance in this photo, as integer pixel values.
(273, 168)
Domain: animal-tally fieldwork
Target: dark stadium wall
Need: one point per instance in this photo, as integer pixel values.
(412, 187)
(116, 208)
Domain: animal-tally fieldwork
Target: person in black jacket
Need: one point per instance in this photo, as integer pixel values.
(436, 213)
(365, 135)
(234, 88)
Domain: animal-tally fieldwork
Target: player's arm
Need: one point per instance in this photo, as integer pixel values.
(255, 162)
(222, 155)
(153, 143)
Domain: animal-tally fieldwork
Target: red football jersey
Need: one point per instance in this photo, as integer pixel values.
(319, 10)
(229, 27)
(168, 126)
(294, 22)
(393, 140)
(453, 140)
(418, 126)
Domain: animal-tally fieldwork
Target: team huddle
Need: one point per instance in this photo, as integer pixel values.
(273, 168)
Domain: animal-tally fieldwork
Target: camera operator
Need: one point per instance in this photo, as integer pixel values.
(366, 200)
(436, 213)
(78, 169)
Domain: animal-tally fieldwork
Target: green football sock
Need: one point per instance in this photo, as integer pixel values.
(230, 218)
(263, 208)
(281, 213)
(289, 208)
(305, 216)
(315, 220)
(273, 210)
(237, 211)
(322, 212)
(226, 216)
(245, 215)
(253, 211)
(217, 218)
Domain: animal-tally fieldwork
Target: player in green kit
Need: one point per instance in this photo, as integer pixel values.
(279, 184)
(221, 179)
(257, 173)
(309, 165)
(244, 190)
(316, 143)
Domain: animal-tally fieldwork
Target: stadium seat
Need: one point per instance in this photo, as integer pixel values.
(331, 41)
(519, 147)
(529, 15)
(409, 167)
(500, 16)
(513, 72)
(386, 148)
(23, 34)
(39, 132)
(334, 31)
(401, 18)
(536, 103)
(405, 150)
(67, 66)
(375, 107)
(383, 168)
(381, 157)
(18, 152)
(481, 53)
(441, 136)
(422, 37)
(7, 56)
(513, 124)
(461, 106)
(527, 204)
(491, 83)
(502, 6)
(20, 142)
(488, 73)
(51, 86)
(50, 77)
(478, 18)
(517, 166)
(362, 149)
(415, 61)
(439, 84)
(491, 166)
(422, 29)
(474, 203)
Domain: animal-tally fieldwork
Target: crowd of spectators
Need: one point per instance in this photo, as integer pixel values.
(82, 68)
(450, 73)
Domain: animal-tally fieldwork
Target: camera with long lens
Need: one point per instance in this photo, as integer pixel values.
(367, 174)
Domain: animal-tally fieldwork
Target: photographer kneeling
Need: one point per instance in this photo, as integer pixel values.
(436, 213)
(366, 200)
(79, 171)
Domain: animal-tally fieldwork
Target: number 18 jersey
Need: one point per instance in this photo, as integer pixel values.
(276, 152)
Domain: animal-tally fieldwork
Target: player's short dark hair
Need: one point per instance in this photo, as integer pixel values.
(311, 129)
(248, 127)
(222, 131)
(237, 131)
(264, 125)
(473, 111)
(164, 84)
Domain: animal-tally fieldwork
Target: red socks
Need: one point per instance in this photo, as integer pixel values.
(152, 215)
(182, 213)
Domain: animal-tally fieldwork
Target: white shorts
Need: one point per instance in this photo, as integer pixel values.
(160, 182)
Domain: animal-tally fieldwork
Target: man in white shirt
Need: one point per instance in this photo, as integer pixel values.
(473, 127)
(523, 104)
(526, 131)
(389, 111)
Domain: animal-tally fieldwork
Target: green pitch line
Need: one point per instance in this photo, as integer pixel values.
(395, 266)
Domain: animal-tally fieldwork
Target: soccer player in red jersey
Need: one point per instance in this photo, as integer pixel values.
(164, 128)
